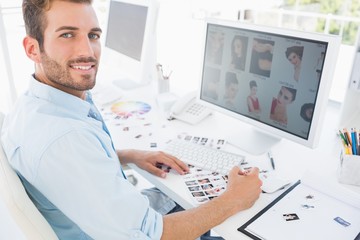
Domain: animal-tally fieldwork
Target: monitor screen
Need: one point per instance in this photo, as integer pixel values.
(275, 79)
(126, 28)
(130, 44)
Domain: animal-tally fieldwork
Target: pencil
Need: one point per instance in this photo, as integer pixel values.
(347, 136)
(343, 138)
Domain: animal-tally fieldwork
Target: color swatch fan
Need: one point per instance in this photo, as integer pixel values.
(125, 110)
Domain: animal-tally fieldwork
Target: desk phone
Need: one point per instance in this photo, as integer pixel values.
(188, 110)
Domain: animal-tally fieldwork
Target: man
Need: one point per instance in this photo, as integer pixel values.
(57, 142)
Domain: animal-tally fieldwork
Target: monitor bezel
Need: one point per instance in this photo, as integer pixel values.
(333, 42)
(141, 71)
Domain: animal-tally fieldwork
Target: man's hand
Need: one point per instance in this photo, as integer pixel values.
(243, 188)
(148, 161)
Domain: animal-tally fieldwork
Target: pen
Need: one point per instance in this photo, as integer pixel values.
(353, 140)
(358, 146)
(271, 160)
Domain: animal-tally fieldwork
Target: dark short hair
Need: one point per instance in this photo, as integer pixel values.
(298, 50)
(230, 78)
(303, 111)
(252, 84)
(292, 91)
(34, 17)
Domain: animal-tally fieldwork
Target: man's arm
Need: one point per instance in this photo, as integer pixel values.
(242, 192)
(147, 160)
(243, 189)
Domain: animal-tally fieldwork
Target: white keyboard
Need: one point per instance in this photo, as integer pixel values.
(204, 157)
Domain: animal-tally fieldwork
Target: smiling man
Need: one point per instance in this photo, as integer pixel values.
(67, 59)
(57, 141)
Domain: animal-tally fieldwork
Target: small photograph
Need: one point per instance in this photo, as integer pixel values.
(207, 186)
(167, 169)
(209, 192)
(198, 194)
(210, 87)
(204, 180)
(188, 138)
(163, 167)
(290, 217)
(306, 111)
(239, 46)
(252, 99)
(202, 200)
(280, 104)
(215, 191)
(214, 47)
(195, 139)
(191, 166)
(194, 189)
(261, 57)
(220, 143)
(294, 55)
(231, 90)
(191, 183)
(203, 141)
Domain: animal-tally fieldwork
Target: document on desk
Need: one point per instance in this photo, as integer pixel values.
(309, 209)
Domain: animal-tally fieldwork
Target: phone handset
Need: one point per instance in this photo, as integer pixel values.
(179, 106)
(187, 109)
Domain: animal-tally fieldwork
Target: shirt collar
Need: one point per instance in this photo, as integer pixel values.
(61, 98)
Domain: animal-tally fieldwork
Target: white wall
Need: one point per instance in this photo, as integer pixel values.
(179, 42)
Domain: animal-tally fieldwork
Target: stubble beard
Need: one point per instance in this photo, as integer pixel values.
(60, 75)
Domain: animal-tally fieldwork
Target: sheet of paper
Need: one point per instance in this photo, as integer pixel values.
(308, 213)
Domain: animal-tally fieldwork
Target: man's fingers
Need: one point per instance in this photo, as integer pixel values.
(175, 164)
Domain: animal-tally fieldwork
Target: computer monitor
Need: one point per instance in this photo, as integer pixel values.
(276, 80)
(130, 44)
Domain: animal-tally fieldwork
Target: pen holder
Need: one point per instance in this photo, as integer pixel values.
(163, 85)
(163, 79)
(349, 169)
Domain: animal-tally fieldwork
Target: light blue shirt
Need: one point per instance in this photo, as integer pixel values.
(63, 152)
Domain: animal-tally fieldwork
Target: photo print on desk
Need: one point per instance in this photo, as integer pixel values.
(202, 185)
(217, 143)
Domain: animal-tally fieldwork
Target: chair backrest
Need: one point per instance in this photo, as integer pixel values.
(21, 208)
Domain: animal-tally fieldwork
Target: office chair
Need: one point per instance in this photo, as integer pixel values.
(24, 213)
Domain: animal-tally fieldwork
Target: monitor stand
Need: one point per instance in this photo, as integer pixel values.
(252, 141)
(126, 83)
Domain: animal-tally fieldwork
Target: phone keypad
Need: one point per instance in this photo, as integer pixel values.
(196, 109)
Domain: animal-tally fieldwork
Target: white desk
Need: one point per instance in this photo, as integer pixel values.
(292, 160)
